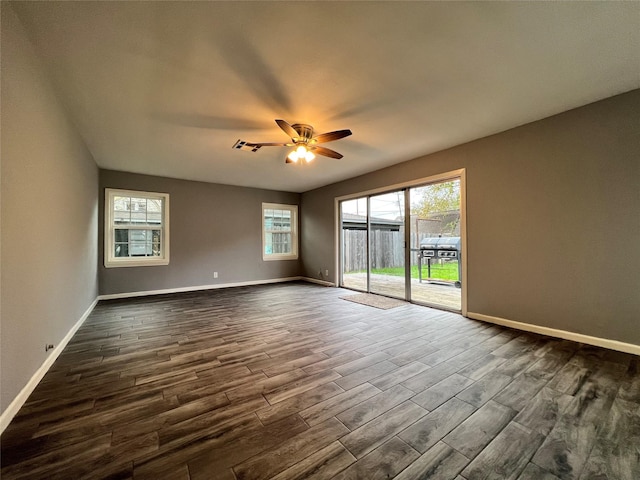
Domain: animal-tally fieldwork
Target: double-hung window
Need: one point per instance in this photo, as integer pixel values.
(279, 231)
(136, 231)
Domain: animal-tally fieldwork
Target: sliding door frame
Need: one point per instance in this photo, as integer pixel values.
(451, 175)
(368, 239)
(407, 244)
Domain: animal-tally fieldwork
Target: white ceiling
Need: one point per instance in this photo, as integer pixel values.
(167, 88)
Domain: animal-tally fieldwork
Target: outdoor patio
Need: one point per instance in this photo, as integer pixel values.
(435, 294)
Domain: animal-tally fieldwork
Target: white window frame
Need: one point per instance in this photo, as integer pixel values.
(294, 232)
(111, 261)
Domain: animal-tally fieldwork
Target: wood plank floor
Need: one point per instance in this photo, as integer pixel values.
(290, 382)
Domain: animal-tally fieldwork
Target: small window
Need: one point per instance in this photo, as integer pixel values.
(136, 230)
(279, 231)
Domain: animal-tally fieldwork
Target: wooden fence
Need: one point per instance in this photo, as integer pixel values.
(387, 246)
(387, 249)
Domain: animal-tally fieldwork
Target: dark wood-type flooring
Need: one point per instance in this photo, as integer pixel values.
(289, 381)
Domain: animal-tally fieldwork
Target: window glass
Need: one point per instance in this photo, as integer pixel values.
(279, 223)
(136, 228)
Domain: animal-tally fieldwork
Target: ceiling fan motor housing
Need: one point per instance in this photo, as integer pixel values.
(305, 132)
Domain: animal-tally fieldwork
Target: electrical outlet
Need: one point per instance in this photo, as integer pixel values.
(326, 273)
(215, 274)
(48, 346)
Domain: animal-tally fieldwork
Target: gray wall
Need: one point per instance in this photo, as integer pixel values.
(49, 215)
(212, 227)
(553, 218)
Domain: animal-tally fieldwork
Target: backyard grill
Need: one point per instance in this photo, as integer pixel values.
(434, 248)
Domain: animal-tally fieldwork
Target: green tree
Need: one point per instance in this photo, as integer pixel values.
(436, 198)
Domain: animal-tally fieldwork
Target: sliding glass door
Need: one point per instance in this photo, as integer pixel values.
(406, 243)
(386, 244)
(436, 244)
(372, 244)
(354, 239)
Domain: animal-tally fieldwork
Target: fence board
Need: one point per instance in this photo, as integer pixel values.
(387, 249)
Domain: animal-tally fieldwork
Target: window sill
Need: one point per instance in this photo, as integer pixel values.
(135, 263)
(270, 258)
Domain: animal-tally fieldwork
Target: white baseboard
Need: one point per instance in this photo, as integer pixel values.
(22, 397)
(196, 288)
(319, 282)
(552, 332)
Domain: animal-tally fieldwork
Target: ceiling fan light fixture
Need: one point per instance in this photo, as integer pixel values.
(301, 152)
(293, 156)
(309, 156)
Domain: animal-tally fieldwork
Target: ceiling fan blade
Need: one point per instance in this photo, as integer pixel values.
(288, 129)
(270, 144)
(326, 152)
(331, 136)
(254, 147)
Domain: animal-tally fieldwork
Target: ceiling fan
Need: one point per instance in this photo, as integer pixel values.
(303, 139)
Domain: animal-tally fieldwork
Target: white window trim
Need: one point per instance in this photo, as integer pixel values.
(109, 231)
(267, 257)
